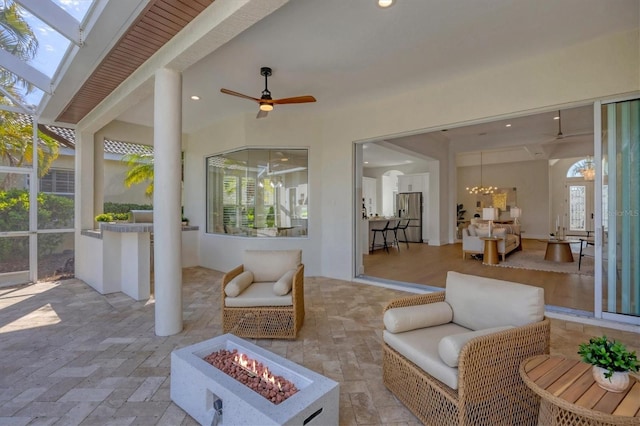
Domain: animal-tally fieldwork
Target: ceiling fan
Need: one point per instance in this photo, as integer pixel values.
(562, 136)
(265, 101)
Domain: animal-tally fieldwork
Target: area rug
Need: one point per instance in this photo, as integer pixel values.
(534, 259)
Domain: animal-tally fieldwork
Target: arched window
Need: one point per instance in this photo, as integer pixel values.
(582, 169)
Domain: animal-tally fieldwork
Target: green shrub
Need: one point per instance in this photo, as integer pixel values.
(104, 217)
(110, 207)
(111, 217)
(54, 212)
(271, 217)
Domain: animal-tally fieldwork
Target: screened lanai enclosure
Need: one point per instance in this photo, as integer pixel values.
(36, 170)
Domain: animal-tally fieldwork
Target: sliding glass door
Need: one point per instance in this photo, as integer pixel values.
(618, 239)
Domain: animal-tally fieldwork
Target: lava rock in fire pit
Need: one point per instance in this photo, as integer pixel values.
(252, 374)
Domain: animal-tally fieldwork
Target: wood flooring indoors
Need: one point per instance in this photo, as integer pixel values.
(428, 265)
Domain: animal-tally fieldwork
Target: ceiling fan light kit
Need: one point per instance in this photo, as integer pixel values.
(266, 102)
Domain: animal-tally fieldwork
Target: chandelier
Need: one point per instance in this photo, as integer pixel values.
(482, 189)
(587, 171)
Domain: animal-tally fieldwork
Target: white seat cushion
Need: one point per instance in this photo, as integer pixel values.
(421, 347)
(258, 294)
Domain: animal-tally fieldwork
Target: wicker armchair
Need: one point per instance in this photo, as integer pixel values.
(489, 389)
(252, 303)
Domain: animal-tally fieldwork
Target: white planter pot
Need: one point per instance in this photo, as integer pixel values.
(616, 383)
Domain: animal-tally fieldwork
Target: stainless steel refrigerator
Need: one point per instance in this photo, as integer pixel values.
(409, 206)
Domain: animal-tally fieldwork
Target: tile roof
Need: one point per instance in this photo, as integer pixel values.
(67, 137)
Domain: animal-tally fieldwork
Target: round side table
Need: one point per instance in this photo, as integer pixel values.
(559, 250)
(570, 396)
(490, 255)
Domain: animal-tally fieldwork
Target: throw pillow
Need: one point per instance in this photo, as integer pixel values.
(482, 232)
(284, 284)
(450, 346)
(499, 232)
(473, 230)
(238, 284)
(397, 320)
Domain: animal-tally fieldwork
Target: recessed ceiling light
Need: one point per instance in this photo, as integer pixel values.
(195, 98)
(507, 125)
(557, 117)
(366, 162)
(385, 3)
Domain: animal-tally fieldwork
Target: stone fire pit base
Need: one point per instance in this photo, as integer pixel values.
(197, 387)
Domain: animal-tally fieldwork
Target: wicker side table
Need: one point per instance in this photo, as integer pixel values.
(570, 396)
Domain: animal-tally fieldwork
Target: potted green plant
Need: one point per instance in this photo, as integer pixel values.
(185, 221)
(611, 362)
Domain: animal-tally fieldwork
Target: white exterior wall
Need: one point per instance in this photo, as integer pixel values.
(598, 69)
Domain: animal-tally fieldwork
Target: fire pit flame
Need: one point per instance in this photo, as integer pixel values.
(274, 388)
(242, 361)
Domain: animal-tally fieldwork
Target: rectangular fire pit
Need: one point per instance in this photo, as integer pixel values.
(205, 392)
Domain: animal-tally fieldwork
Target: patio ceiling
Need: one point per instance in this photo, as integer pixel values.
(158, 23)
(340, 52)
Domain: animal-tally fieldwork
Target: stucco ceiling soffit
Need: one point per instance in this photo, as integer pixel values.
(213, 27)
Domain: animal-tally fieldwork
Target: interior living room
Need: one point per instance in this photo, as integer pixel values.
(258, 112)
(529, 159)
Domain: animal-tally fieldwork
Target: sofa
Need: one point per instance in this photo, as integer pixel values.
(264, 297)
(509, 238)
(452, 357)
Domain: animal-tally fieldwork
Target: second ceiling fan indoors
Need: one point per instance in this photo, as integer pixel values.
(266, 102)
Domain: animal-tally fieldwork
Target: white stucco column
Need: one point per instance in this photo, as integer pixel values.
(166, 202)
(98, 174)
(84, 162)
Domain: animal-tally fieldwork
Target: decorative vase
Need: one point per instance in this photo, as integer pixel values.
(616, 383)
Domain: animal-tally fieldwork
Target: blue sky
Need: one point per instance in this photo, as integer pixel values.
(51, 45)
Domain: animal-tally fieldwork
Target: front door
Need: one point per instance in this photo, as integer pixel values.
(580, 206)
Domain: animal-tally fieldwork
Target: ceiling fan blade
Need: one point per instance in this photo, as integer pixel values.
(240, 95)
(262, 114)
(295, 100)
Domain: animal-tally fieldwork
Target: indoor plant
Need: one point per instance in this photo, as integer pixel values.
(611, 362)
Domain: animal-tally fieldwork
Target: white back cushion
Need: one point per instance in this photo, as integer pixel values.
(270, 265)
(480, 302)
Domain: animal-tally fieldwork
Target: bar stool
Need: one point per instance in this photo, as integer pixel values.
(403, 228)
(384, 236)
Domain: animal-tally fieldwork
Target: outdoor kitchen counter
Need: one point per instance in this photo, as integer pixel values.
(124, 257)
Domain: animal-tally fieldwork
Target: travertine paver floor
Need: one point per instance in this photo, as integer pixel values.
(69, 355)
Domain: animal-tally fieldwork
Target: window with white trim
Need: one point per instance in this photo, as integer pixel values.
(258, 192)
(59, 182)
